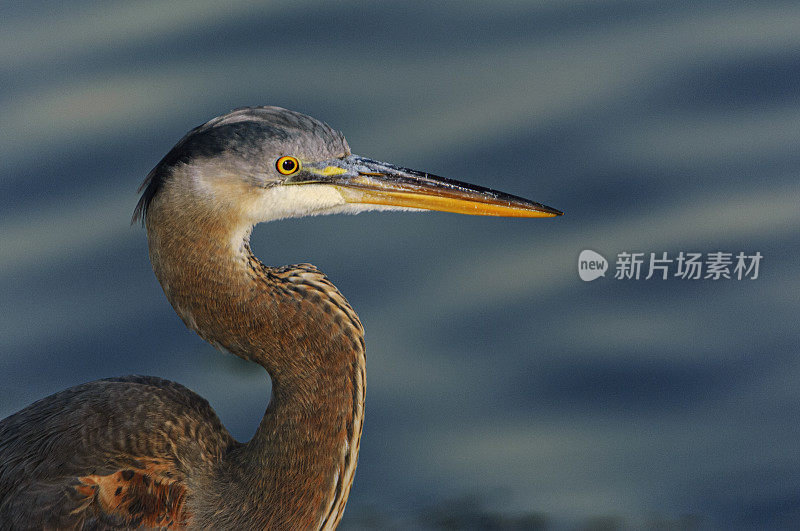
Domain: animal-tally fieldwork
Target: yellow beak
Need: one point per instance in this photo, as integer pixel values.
(362, 180)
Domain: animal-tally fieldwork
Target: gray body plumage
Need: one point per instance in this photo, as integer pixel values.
(98, 428)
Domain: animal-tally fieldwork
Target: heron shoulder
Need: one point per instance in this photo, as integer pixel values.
(78, 456)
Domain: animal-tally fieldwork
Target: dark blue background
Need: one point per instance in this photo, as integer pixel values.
(502, 389)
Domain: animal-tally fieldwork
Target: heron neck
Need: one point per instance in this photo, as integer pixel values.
(297, 470)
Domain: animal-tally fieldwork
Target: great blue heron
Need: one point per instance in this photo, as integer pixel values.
(140, 451)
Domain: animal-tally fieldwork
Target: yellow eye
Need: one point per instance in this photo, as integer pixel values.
(287, 165)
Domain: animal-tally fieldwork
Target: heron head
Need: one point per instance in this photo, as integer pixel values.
(267, 163)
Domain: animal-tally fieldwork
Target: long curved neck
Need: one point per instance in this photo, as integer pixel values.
(297, 470)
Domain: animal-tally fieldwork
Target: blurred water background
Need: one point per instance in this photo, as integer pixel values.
(503, 391)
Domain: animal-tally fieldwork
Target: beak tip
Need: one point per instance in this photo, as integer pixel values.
(552, 212)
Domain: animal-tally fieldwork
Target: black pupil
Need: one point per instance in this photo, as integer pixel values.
(288, 165)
